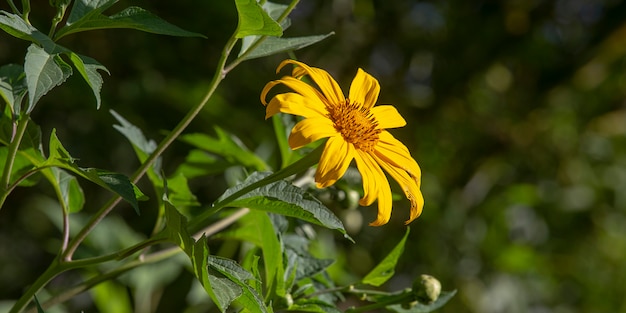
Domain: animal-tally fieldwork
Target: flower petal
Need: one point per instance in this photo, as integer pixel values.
(310, 130)
(372, 176)
(384, 207)
(409, 186)
(394, 152)
(364, 89)
(334, 162)
(296, 104)
(324, 81)
(387, 117)
(297, 85)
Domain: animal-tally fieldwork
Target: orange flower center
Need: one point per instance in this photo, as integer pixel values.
(356, 124)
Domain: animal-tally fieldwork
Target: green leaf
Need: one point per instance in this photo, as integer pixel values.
(112, 297)
(284, 198)
(85, 8)
(71, 194)
(256, 227)
(15, 26)
(274, 45)
(142, 146)
(176, 228)
(250, 299)
(417, 307)
(227, 146)
(21, 165)
(386, 268)
(13, 86)
(88, 69)
(313, 305)
(44, 71)
(131, 17)
(253, 20)
(117, 183)
(299, 259)
(39, 308)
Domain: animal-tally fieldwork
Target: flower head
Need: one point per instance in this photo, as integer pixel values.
(356, 130)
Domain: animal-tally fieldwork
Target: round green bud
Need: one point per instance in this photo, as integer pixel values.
(426, 288)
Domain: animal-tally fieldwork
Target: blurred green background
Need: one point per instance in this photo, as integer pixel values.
(516, 115)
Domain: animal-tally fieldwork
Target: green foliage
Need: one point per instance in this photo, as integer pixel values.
(284, 198)
(253, 20)
(385, 269)
(251, 250)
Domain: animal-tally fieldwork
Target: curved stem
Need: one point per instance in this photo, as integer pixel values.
(52, 270)
(105, 210)
(5, 179)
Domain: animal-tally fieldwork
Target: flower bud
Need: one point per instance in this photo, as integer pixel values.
(427, 288)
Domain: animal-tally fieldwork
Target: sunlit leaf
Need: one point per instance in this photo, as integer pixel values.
(284, 198)
(88, 69)
(44, 71)
(386, 268)
(112, 297)
(226, 146)
(253, 20)
(13, 86)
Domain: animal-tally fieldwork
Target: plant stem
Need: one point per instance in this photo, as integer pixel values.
(145, 259)
(96, 218)
(13, 7)
(52, 270)
(14, 146)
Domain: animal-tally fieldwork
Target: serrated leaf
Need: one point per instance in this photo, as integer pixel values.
(88, 69)
(253, 20)
(274, 45)
(250, 298)
(444, 297)
(115, 182)
(226, 291)
(284, 198)
(44, 71)
(256, 227)
(13, 86)
(305, 265)
(386, 268)
(131, 18)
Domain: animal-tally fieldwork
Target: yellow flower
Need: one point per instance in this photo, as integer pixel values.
(355, 130)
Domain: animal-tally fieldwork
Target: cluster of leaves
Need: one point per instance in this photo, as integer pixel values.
(292, 279)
